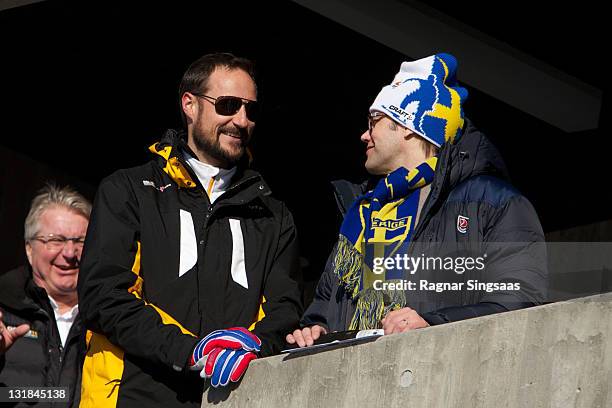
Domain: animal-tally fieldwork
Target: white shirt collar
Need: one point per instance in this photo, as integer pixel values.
(214, 179)
(69, 315)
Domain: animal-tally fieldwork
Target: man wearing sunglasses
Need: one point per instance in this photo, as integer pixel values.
(189, 262)
(42, 340)
(440, 191)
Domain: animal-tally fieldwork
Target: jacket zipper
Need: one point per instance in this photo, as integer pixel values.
(214, 205)
(204, 194)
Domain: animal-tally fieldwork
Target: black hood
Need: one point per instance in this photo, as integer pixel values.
(472, 155)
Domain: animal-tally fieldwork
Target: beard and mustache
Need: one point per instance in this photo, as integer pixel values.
(212, 145)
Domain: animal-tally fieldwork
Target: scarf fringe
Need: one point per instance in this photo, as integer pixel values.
(348, 265)
(373, 305)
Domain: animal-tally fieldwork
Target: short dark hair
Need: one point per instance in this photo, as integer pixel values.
(428, 148)
(195, 79)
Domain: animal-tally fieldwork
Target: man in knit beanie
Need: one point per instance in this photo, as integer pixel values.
(439, 180)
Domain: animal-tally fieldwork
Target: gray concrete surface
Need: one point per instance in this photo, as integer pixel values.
(557, 355)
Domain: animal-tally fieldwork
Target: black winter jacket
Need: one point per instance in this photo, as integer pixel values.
(147, 300)
(471, 181)
(38, 359)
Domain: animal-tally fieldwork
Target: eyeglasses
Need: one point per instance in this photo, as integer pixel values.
(373, 119)
(58, 242)
(230, 105)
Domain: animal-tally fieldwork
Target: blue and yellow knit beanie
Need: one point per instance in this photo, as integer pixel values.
(426, 98)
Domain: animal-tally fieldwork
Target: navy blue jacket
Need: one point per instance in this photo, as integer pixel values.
(470, 182)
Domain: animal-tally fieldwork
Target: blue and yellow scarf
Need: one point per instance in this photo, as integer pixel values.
(379, 224)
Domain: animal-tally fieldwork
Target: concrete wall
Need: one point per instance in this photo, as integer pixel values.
(595, 232)
(585, 269)
(557, 355)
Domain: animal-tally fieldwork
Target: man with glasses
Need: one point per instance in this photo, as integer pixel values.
(189, 263)
(440, 188)
(42, 342)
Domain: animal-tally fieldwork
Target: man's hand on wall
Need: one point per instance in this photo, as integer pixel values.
(402, 320)
(306, 336)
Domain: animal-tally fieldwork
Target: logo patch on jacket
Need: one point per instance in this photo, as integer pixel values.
(462, 224)
(31, 334)
(152, 184)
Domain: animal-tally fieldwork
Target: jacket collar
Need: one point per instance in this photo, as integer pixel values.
(18, 291)
(472, 155)
(169, 151)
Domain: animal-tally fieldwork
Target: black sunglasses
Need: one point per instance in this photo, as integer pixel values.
(230, 105)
